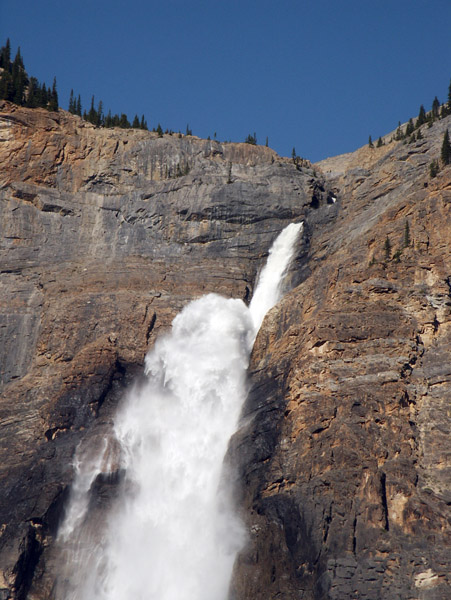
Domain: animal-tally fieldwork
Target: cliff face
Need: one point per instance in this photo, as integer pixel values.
(106, 235)
(342, 461)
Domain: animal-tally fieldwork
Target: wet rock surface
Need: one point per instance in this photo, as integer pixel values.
(343, 455)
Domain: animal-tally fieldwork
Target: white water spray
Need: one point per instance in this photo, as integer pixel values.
(174, 535)
(269, 287)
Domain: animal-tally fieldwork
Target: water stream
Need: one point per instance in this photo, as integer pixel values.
(173, 534)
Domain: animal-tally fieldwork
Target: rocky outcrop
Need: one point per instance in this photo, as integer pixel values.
(342, 459)
(106, 235)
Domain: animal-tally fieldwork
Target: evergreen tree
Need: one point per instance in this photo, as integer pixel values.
(92, 114)
(387, 248)
(72, 105)
(6, 86)
(435, 108)
(406, 240)
(44, 97)
(370, 143)
(108, 120)
(143, 124)
(100, 119)
(5, 56)
(33, 93)
(18, 62)
(135, 123)
(124, 122)
(293, 154)
(409, 128)
(251, 139)
(380, 143)
(421, 117)
(445, 154)
(159, 130)
(267, 141)
(449, 97)
(188, 130)
(53, 99)
(78, 106)
(399, 135)
(434, 168)
(19, 79)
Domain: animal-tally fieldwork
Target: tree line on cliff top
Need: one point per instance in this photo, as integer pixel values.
(412, 131)
(16, 86)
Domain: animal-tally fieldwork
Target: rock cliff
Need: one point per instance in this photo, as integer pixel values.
(342, 461)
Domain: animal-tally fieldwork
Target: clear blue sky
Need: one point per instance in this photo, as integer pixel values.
(320, 75)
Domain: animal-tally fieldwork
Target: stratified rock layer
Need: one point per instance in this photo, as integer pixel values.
(342, 459)
(344, 455)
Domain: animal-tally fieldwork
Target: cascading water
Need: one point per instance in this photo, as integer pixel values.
(269, 286)
(173, 534)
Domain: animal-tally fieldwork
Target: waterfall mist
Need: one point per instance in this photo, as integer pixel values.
(172, 533)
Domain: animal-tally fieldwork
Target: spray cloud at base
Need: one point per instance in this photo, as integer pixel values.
(173, 532)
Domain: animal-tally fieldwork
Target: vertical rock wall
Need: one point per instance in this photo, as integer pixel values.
(344, 454)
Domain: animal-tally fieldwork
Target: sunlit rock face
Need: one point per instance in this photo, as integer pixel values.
(344, 455)
(342, 459)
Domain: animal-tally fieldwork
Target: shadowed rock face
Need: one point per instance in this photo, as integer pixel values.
(343, 457)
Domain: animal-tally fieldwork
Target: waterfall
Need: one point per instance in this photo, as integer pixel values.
(269, 285)
(173, 534)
